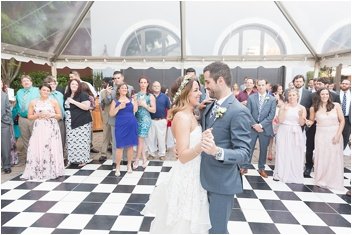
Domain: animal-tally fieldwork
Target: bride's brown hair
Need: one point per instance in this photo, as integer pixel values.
(180, 98)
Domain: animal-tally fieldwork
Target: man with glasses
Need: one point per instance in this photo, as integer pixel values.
(345, 98)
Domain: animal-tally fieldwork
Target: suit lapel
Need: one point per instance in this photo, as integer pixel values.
(224, 104)
(205, 113)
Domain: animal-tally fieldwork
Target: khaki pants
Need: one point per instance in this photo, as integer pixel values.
(26, 128)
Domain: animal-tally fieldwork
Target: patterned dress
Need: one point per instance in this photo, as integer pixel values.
(45, 155)
(143, 116)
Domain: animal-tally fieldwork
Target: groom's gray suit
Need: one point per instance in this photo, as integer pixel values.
(222, 179)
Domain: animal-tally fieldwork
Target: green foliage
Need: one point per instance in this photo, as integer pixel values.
(97, 80)
(201, 79)
(310, 75)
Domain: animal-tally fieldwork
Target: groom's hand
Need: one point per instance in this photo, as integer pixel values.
(204, 103)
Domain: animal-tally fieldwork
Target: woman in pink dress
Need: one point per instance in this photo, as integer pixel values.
(44, 156)
(328, 152)
(289, 160)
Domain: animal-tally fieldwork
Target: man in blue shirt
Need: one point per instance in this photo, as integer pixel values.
(23, 97)
(157, 132)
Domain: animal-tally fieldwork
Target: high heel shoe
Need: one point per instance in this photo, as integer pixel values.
(145, 162)
(135, 164)
(117, 172)
(129, 169)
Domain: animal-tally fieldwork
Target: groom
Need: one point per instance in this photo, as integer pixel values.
(225, 145)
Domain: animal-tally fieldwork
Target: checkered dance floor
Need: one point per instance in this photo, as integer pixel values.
(93, 200)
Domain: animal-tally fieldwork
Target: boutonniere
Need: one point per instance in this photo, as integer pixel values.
(220, 112)
(267, 98)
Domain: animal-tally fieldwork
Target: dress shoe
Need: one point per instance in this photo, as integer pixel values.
(262, 173)
(151, 157)
(243, 171)
(348, 193)
(307, 172)
(102, 158)
(123, 162)
(7, 170)
(93, 150)
(109, 149)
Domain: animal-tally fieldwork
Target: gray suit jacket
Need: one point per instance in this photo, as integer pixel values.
(6, 115)
(232, 134)
(267, 113)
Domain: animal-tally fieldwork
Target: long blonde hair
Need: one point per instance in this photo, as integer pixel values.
(180, 97)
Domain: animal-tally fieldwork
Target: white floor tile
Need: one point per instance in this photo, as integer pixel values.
(108, 208)
(129, 181)
(75, 221)
(36, 230)
(308, 218)
(100, 173)
(75, 179)
(104, 188)
(64, 207)
(91, 167)
(127, 223)
(14, 194)
(257, 216)
(246, 184)
(24, 219)
(11, 184)
(290, 229)
(277, 185)
(143, 189)
(75, 196)
(71, 171)
(153, 169)
(93, 180)
(297, 206)
(54, 196)
(18, 205)
(308, 196)
(47, 186)
(341, 230)
(250, 204)
(117, 198)
(266, 194)
(330, 198)
(88, 231)
(235, 227)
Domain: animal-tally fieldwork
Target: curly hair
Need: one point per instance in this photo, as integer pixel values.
(181, 101)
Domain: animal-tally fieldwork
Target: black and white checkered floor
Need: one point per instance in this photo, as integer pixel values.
(93, 200)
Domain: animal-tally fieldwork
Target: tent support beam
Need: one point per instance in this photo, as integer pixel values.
(296, 29)
(62, 45)
(183, 29)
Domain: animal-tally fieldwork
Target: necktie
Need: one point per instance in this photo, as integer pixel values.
(344, 101)
(261, 102)
(213, 110)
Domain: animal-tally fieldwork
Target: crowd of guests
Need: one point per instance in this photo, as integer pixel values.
(310, 126)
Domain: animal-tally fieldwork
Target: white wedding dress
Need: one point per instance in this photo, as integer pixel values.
(180, 204)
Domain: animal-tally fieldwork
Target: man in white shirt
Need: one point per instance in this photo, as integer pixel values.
(345, 98)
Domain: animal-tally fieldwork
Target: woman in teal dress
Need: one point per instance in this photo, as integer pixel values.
(146, 105)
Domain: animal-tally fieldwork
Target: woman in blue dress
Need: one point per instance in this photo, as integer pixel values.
(125, 125)
(146, 105)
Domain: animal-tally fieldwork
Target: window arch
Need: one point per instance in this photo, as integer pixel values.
(152, 41)
(338, 40)
(253, 39)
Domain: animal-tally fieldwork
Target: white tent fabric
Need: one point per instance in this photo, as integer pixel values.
(117, 34)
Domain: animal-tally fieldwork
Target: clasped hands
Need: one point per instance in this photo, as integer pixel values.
(207, 143)
(257, 128)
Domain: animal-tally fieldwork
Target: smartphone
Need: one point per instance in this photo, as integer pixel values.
(111, 83)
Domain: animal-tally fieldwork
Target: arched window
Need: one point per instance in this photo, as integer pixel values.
(338, 40)
(253, 39)
(152, 41)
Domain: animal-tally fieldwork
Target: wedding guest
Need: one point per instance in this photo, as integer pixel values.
(6, 125)
(262, 107)
(244, 94)
(289, 160)
(23, 97)
(345, 97)
(126, 126)
(146, 105)
(328, 152)
(236, 89)
(78, 121)
(157, 134)
(44, 157)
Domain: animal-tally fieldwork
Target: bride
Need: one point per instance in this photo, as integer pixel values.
(180, 204)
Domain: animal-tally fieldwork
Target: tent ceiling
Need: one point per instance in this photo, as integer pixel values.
(106, 33)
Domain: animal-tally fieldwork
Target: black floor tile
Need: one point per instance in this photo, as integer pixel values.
(254, 179)
(263, 228)
(144, 181)
(85, 187)
(155, 163)
(334, 220)
(101, 222)
(28, 185)
(5, 203)
(150, 175)
(86, 208)
(124, 189)
(246, 194)
(96, 197)
(123, 232)
(318, 189)
(50, 220)
(321, 207)
(40, 206)
(299, 188)
(283, 195)
(341, 208)
(318, 229)
(235, 205)
(273, 205)
(84, 172)
(145, 227)
(33, 195)
(66, 231)
(165, 169)
(345, 198)
(260, 186)
(105, 167)
(3, 191)
(138, 198)
(12, 230)
(237, 215)
(111, 180)
(282, 217)
(66, 187)
(7, 216)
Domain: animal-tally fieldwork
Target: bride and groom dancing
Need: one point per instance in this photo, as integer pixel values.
(198, 195)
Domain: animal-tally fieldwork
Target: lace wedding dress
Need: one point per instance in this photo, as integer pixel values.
(180, 204)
